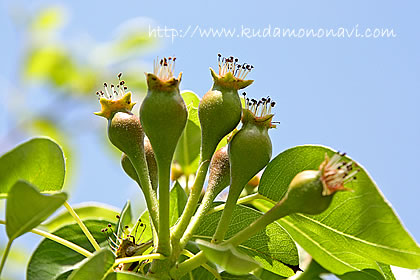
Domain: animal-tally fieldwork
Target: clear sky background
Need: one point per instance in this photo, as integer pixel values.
(359, 95)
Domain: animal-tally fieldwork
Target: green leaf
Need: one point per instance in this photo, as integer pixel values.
(94, 267)
(52, 261)
(272, 247)
(39, 161)
(359, 227)
(124, 276)
(227, 276)
(86, 211)
(178, 199)
(227, 257)
(200, 272)
(268, 275)
(125, 218)
(188, 148)
(26, 208)
(370, 274)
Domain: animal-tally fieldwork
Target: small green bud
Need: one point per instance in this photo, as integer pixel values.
(311, 191)
(163, 112)
(250, 148)
(219, 177)
(220, 108)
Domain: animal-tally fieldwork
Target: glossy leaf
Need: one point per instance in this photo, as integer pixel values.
(51, 260)
(125, 218)
(358, 229)
(370, 274)
(178, 199)
(124, 276)
(227, 276)
(26, 208)
(94, 267)
(39, 161)
(188, 148)
(86, 211)
(272, 247)
(228, 258)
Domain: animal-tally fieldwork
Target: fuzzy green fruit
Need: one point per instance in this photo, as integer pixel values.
(220, 108)
(163, 115)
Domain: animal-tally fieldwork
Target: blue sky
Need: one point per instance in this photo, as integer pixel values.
(359, 95)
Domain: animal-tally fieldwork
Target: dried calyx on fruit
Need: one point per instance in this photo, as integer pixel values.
(124, 128)
(220, 108)
(114, 99)
(249, 152)
(311, 191)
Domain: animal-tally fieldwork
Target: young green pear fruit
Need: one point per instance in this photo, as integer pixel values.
(220, 108)
(249, 151)
(126, 133)
(163, 112)
(311, 191)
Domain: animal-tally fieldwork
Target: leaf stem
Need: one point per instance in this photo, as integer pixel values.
(82, 226)
(188, 265)
(242, 200)
(206, 266)
(192, 202)
(278, 211)
(60, 240)
(154, 256)
(5, 254)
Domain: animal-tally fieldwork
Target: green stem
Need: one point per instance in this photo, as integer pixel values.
(63, 242)
(242, 200)
(279, 211)
(5, 254)
(224, 221)
(206, 266)
(59, 240)
(154, 256)
(202, 210)
(188, 265)
(192, 202)
(82, 226)
(140, 165)
(164, 246)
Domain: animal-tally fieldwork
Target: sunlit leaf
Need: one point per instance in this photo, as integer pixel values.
(94, 267)
(86, 211)
(26, 208)
(272, 247)
(188, 148)
(358, 229)
(39, 161)
(52, 260)
(228, 258)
